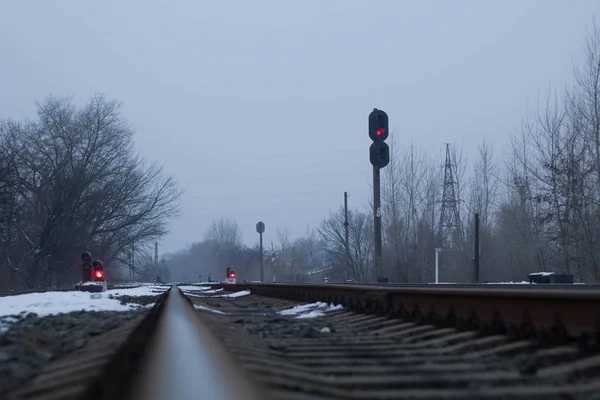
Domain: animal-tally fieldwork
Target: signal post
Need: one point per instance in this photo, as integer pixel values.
(379, 155)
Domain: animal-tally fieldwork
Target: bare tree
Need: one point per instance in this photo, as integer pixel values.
(331, 232)
(225, 232)
(79, 186)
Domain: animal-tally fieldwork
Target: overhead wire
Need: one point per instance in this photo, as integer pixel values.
(276, 194)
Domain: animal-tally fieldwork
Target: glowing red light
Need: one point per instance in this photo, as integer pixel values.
(233, 275)
(98, 274)
(380, 131)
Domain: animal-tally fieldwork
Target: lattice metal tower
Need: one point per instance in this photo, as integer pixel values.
(450, 230)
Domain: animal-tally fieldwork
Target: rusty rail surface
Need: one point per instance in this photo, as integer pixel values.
(518, 312)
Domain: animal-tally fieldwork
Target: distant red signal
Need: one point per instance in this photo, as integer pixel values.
(232, 275)
(380, 132)
(98, 274)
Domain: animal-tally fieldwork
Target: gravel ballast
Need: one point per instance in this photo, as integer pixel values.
(31, 342)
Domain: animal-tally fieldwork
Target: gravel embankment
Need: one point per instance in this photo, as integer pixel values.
(31, 342)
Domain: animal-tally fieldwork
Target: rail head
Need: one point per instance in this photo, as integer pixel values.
(173, 355)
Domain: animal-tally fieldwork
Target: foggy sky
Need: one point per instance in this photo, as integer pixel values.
(259, 108)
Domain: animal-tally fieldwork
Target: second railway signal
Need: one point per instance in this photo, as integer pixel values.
(86, 259)
(379, 154)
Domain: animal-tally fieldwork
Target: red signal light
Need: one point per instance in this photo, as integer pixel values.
(98, 274)
(380, 132)
(233, 275)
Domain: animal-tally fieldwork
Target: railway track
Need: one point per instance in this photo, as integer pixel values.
(386, 343)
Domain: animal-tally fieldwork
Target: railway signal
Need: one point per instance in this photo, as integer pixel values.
(379, 155)
(379, 152)
(98, 271)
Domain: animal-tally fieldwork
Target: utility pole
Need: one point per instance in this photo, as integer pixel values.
(437, 271)
(476, 255)
(131, 267)
(347, 243)
(379, 155)
(156, 254)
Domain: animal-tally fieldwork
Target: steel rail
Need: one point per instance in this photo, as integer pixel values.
(173, 355)
(571, 312)
(519, 286)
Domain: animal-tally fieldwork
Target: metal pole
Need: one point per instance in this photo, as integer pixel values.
(476, 257)
(347, 244)
(262, 278)
(377, 224)
(437, 252)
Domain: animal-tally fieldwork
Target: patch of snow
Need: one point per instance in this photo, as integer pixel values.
(116, 285)
(311, 314)
(541, 273)
(203, 293)
(236, 294)
(51, 303)
(508, 283)
(212, 310)
(311, 310)
(91, 283)
(139, 291)
(192, 287)
(195, 295)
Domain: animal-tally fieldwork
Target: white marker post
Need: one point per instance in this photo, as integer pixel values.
(437, 252)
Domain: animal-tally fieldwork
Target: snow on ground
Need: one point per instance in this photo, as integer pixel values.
(230, 295)
(50, 303)
(312, 310)
(134, 284)
(193, 287)
(236, 294)
(139, 291)
(204, 293)
(197, 307)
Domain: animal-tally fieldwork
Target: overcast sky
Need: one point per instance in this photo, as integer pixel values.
(259, 108)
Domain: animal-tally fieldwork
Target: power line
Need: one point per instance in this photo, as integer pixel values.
(275, 155)
(263, 177)
(261, 214)
(270, 195)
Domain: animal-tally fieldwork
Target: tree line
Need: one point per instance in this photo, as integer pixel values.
(70, 181)
(538, 199)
